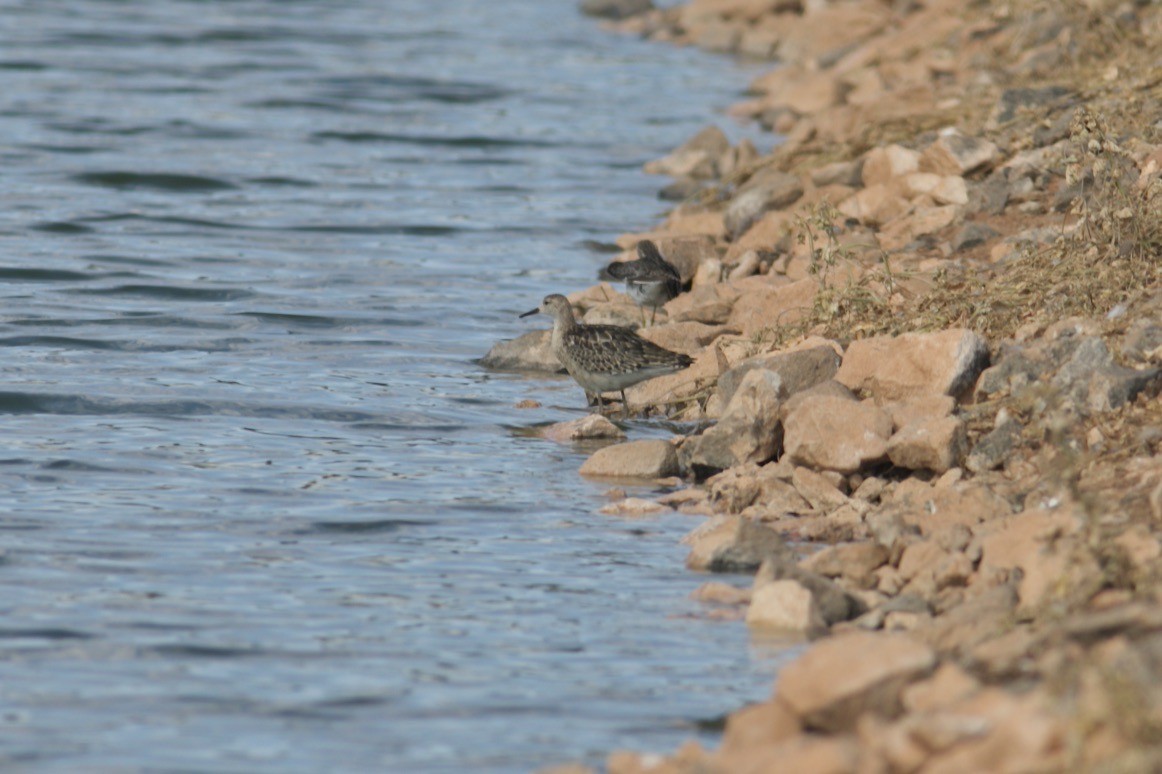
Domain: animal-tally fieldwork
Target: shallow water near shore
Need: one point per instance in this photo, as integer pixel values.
(262, 509)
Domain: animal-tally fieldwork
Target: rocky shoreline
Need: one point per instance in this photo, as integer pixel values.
(927, 332)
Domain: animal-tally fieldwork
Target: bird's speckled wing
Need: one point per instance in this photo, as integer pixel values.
(610, 349)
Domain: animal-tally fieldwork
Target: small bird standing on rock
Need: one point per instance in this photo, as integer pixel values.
(651, 280)
(605, 358)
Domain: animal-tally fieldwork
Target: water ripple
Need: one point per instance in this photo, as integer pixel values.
(157, 181)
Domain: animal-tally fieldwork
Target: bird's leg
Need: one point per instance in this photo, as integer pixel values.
(624, 405)
(653, 314)
(643, 311)
(600, 404)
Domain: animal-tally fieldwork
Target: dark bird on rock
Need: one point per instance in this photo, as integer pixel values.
(651, 280)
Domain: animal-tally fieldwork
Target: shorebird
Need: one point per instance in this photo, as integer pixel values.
(605, 358)
(651, 280)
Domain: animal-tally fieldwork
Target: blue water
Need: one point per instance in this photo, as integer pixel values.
(262, 510)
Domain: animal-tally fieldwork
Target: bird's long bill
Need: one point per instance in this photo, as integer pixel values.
(530, 312)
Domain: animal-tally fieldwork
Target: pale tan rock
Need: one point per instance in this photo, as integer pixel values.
(747, 265)
(817, 490)
(633, 459)
(922, 407)
(914, 364)
(965, 504)
(799, 368)
(731, 544)
(631, 507)
(902, 231)
(676, 388)
(772, 307)
(687, 337)
(719, 593)
(956, 154)
(768, 189)
(845, 173)
(875, 205)
(768, 230)
(758, 726)
(785, 605)
(882, 165)
(708, 304)
(942, 189)
(807, 92)
(709, 272)
(856, 562)
(831, 433)
(920, 557)
(693, 221)
(1016, 733)
(568, 768)
(839, 678)
(587, 427)
(1140, 546)
(532, 351)
(948, 685)
(932, 444)
(695, 158)
(800, 753)
(622, 312)
(746, 431)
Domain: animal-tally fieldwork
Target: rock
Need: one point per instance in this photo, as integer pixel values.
(842, 677)
(955, 154)
(718, 593)
(590, 426)
(994, 725)
(768, 189)
(1093, 379)
(856, 562)
(798, 369)
(681, 189)
(989, 196)
(784, 605)
(633, 459)
(1014, 100)
(914, 364)
(532, 351)
(1041, 543)
(942, 189)
(831, 433)
(632, 507)
(882, 165)
(768, 308)
(935, 444)
(848, 173)
(696, 158)
(758, 726)
(687, 337)
(834, 604)
(709, 304)
(732, 544)
(922, 408)
(875, 205)
(992, 448)
(747, 430)
(972, 235)
(1143, 341)
(821, 494)
(904, 231)
(948, 685)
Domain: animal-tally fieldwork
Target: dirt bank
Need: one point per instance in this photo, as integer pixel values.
(927, 332)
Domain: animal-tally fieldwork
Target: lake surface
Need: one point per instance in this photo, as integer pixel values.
(261, 509)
